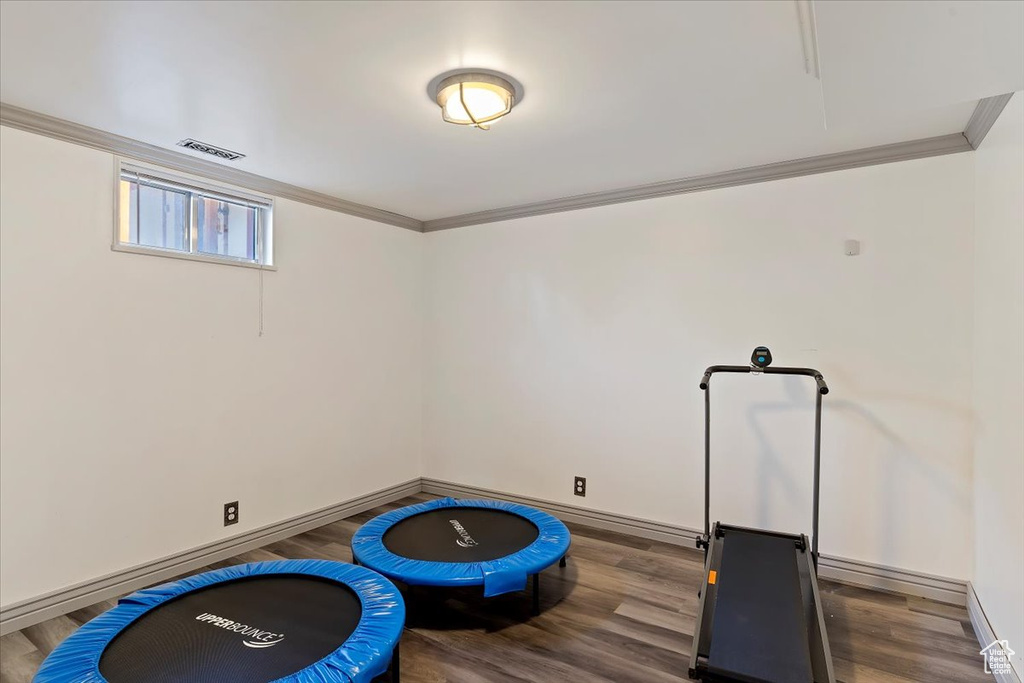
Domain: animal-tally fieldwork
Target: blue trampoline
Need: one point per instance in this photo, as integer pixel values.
(449, 542)
(287, 621)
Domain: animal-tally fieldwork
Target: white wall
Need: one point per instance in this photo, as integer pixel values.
(551, 346)
(136, 397)
(573, 344)
(999, 377)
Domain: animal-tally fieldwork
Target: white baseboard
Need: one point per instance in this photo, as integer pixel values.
(983, 629)
(610, 521)
(26, 613)
(835, 568)
(893, 580)
(19, 615)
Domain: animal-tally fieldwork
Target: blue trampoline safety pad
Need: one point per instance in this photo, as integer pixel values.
(504, 574)
(185, 641)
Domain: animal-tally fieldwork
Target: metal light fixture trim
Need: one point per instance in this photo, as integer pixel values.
(472, 83)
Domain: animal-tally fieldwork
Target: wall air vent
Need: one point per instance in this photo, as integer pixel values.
(210, 149)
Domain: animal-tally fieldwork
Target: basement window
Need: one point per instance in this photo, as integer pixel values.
(165, 214)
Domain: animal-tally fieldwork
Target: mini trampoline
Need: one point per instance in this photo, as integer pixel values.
(290, 621)
(451, 543)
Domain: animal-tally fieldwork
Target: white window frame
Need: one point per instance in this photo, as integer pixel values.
(197, 187)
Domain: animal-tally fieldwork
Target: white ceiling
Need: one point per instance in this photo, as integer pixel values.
(331, 96)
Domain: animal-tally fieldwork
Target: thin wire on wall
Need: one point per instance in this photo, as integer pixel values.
(261, 304)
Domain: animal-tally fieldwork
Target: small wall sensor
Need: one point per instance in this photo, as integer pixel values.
(852, 247)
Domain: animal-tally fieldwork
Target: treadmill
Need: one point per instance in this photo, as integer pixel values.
(759, 619)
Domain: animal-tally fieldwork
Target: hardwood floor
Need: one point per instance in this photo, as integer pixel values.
(622, 610)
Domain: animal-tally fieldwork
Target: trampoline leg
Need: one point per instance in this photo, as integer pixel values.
(396, 665)
(561, 562)
(536, 594)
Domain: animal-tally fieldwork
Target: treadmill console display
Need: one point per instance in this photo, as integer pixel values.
(761, 357)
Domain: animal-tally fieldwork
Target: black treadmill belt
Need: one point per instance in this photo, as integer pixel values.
(759, 632)
(250, 630)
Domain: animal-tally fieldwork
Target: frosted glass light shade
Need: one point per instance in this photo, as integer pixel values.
(475, 99)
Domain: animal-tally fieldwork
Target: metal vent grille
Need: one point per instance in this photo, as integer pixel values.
(210, 149)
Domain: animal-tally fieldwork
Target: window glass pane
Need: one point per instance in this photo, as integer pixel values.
(156, 217)
(226, 229)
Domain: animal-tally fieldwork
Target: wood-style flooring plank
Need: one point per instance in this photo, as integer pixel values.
(623, 610)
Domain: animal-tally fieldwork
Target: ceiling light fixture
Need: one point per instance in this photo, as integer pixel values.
(475, 98)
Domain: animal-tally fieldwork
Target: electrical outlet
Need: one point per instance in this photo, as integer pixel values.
(230, 513)
(580, 486)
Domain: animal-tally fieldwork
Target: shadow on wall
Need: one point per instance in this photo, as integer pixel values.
(900, 457)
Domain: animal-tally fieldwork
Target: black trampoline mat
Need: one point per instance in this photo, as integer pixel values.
(309, 617)
(460, 534)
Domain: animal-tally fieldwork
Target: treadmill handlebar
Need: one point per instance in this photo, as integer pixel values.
(806, 372)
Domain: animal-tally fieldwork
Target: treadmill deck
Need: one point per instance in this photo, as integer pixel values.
(759, 629)
(759, 619)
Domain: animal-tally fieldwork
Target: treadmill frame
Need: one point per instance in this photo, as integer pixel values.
(713, 544)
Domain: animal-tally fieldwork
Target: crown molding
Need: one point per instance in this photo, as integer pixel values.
(884, 154)
(984, 116)
(49, 126)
